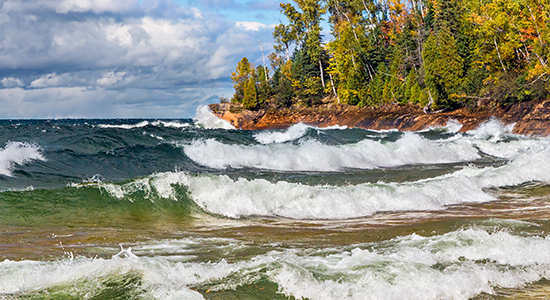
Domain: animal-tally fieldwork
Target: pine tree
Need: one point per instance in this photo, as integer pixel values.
(239, 78)
(250, 97)
(443, 68)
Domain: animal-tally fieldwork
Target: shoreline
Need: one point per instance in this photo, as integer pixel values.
(531, 117)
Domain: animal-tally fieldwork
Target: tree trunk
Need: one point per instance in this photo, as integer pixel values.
(263, 57)
(499, 58)
(333, 88)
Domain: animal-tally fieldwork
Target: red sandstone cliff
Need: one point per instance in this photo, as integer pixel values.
(531, 118)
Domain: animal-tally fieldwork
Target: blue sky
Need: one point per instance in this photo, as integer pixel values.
(125, 58)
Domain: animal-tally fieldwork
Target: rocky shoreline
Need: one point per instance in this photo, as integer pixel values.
(531, 118)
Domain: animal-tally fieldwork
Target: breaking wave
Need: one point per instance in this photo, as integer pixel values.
(311, 155)
(294, 132)
(236, 198)
(457, 265)
(171, 124)
(205, 118)
(18, 153)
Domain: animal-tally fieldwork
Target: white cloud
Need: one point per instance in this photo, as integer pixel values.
(70, 54)
(47, 80)
(254, 26)
(11, 82)
(97, 6)
(111, 78)
(81, 102)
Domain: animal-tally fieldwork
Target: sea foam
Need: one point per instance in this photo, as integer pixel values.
(294, 132)
(312, 155)
(457, 265)
(243, 197)
(205, 118)
(158, 123)
(18, 153)
(237, 198)
(492, 138)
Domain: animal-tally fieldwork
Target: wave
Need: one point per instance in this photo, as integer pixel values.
(493, 130)
(492, 138)
(158, 123)
(294, 132)
(311, 155)
(237, 198)
(452, 126)
(456, 265)
(18, 153)
(227, 197)
(205, 118)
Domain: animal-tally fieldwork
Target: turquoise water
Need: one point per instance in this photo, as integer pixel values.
(184, 209)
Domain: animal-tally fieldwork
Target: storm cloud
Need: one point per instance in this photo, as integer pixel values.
(118, 58)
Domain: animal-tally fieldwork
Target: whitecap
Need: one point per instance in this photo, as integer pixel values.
(292, 133)
(205, 118)
(493, 130)
(457, 265)
(311, 155)
(18, 153)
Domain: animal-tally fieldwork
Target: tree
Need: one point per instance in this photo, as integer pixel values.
(305, 26)
(250, 97)
(443, 67)
(239, 79)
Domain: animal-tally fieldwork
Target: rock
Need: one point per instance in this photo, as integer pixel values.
(531, 118)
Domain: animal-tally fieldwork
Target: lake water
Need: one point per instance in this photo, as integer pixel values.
(183, 209)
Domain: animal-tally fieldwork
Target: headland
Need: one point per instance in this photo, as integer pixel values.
(530, 117)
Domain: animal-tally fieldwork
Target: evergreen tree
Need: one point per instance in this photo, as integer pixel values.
(240, 77)
(250, 97)
(443, 68)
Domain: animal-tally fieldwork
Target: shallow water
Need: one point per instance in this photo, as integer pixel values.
(183, 209)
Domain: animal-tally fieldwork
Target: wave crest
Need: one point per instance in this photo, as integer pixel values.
(18, 153)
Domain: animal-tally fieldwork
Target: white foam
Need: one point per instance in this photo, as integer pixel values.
(311, 155)
(238, 198)
(457, 265)
(161, 281)
(18, 153)
(292, 133)
(415, 267)
(493, 130)
(158, 123)
(452, 126)
(205, 118)
(156, 185)
(125, 126)
(241, 198)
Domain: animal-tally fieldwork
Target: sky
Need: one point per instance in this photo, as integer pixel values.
(125, 58)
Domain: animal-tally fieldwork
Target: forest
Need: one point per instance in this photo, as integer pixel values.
(434, 53)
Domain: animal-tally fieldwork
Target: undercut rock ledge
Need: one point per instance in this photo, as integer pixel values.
(531, 118)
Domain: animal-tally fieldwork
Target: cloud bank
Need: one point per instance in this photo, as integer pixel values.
(118, 58)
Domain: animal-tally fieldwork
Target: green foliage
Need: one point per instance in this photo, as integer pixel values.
(239, 78)
(443, 68)
(412, 92)
(250, 97)
(454, 52)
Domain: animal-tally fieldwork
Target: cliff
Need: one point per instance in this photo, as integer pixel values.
(531, 118)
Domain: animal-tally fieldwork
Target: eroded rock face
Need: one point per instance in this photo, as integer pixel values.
(531, 118)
